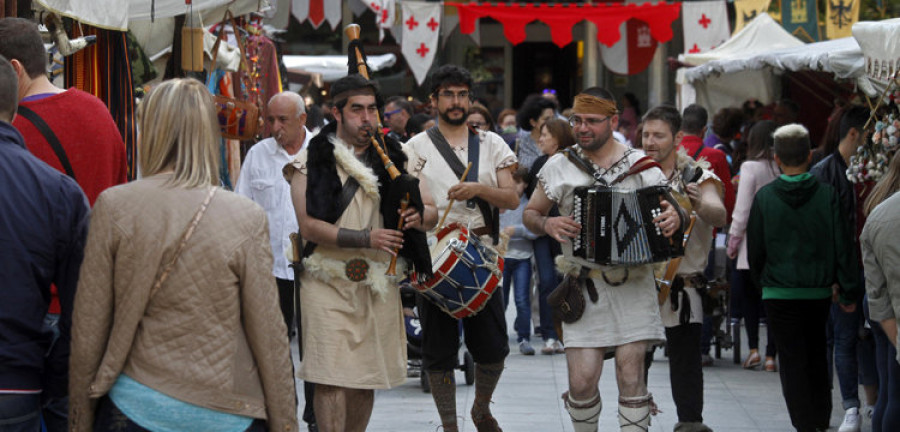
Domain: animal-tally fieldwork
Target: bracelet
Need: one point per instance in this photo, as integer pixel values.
(348, 238)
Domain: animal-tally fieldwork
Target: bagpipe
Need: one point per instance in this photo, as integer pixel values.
(403, 189)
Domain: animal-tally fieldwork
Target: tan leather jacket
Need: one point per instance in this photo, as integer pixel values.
(212, 335)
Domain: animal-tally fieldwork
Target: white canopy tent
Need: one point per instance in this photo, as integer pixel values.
(155, 36)
(880, 44)
(334, 67)
(729, 81)
(120, 14)
(723, 85)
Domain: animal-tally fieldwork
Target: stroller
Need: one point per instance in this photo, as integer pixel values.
(414, 343)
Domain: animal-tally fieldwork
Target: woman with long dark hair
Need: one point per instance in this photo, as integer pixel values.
(757, 171)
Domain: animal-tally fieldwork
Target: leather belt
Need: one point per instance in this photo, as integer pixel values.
(483, 231)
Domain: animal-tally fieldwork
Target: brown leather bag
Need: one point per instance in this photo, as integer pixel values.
(238, 118)
(567, 299)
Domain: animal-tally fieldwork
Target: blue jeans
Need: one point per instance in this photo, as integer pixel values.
(887, 410)
(548, 279)
(518, 272)
(853, 359)
(20, 412)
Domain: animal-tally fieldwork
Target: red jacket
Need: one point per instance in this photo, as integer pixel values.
(717, 162)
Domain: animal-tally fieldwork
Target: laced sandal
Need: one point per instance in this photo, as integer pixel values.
(753, 360)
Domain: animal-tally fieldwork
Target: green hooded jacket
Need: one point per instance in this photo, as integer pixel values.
(797, 241)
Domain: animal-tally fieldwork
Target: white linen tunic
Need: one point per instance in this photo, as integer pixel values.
(625, 313)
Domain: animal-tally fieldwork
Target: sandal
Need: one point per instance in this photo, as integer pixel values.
(770, 365)
(753, 360)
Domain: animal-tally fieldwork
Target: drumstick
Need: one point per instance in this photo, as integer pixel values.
(450, 204)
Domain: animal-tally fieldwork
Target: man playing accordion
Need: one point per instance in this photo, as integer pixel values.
(622, 314)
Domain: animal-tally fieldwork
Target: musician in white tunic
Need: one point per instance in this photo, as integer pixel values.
(625, 318)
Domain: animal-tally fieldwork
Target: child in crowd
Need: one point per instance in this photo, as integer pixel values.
(800, 254)
(517, 264)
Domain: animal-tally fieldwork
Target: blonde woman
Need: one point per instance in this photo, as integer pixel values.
(175, 324)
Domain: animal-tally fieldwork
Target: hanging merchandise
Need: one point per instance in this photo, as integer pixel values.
(317, 11)
(238, 116)
(105, 71)
(421, 31)
(746, 10)
(705, 25)
(562, 17)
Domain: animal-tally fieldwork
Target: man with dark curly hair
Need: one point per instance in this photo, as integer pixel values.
(488, 186)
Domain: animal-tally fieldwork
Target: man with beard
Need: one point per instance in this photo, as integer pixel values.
(489, 185)
(698, 190)
(625, 317)
(352, 324)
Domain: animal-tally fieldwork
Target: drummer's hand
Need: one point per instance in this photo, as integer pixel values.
(562, 228)
(387, 240)
(411, 218)
(463, 191)
(668, 221)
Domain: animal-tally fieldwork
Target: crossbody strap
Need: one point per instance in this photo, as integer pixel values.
(700, 149)
(346, 196)
(188, 232)
(48, 134)
(491, 215)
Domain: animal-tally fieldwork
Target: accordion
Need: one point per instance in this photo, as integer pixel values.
(617, 226)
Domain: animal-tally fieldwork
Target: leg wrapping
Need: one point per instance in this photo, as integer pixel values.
(584, 413)
(443, 390)
(634, 413)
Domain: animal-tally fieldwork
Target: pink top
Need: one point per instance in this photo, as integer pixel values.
(754, 175)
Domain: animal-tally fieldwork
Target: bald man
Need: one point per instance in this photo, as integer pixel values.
(261, 181)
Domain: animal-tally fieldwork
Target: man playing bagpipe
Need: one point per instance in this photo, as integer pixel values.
(621, 313)
(353, 331)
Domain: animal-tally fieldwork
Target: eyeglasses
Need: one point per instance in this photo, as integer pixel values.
(388, 114)
(450, 95)
(576, 121)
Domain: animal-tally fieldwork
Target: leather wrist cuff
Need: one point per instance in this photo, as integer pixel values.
(348, 238)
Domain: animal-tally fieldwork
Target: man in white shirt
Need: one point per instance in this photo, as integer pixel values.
(261, 181)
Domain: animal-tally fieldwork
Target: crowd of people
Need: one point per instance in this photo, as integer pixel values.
(151, 305)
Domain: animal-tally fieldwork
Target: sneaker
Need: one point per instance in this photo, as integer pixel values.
(560, 349)
(549, 346)
(525, 348)
(851, 421)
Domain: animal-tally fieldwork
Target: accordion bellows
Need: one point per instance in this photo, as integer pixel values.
(617, 226)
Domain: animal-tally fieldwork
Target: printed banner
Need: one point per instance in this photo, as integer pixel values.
(799, 18)
(746, 10)
(705, 25)
(633, 53)
(421, 31)
(317, 11)
(840, 15)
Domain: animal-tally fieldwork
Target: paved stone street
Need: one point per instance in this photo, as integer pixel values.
(528, 398)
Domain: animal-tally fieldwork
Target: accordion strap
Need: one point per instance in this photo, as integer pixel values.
(641, 165)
